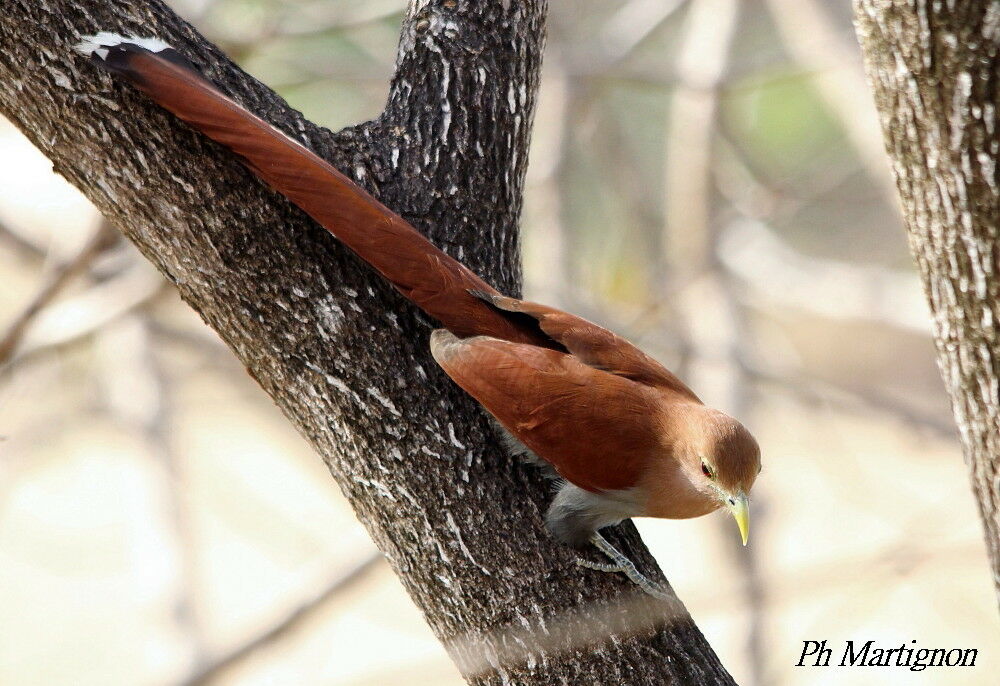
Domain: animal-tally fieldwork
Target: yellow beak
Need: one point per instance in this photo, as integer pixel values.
(741, 513)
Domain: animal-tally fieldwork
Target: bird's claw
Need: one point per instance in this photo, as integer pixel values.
(599, 566)
(622, 564)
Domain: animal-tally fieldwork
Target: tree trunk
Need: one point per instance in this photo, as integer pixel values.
(342, 354)
(935, 70)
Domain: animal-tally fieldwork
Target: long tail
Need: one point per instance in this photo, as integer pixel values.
(437, 283)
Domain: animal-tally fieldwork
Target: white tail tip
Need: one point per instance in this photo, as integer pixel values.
(99, 43)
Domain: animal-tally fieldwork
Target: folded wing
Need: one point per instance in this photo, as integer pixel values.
(594, 345)
(538, 393)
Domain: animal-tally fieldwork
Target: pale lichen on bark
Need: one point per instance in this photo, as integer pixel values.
(935, 70)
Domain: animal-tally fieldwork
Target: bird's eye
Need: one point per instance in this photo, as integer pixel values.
(707, 471)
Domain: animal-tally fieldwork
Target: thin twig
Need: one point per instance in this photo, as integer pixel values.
(75, 318)
(138, 394)
(631, 25)
(750, 251)
(57, 281)
(286, 624)
(19, 244)
(815, 391)
(293, 26)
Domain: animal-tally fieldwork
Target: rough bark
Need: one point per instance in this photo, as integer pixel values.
(935, 69)
(342, 354)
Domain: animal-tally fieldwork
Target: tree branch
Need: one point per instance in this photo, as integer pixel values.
(342, 354)
(934, 69)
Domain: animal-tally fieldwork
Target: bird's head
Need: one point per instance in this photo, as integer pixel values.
(723, 461)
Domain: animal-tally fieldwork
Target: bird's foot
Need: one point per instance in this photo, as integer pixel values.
(621, 564)
(600, 566)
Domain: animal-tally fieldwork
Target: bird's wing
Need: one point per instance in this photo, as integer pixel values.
(597, 429)
(594, 345)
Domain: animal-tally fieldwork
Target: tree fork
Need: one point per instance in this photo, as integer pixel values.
(343, 355)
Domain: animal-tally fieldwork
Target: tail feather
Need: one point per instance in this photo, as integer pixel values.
(434, 281)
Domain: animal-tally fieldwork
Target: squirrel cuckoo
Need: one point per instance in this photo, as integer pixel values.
(624, 436)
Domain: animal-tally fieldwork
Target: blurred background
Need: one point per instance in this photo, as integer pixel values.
(707, 177)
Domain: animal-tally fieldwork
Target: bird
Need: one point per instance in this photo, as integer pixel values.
(621, 435)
